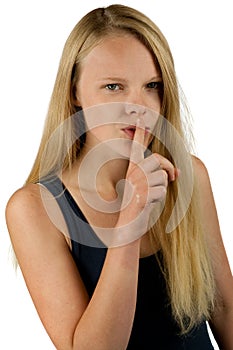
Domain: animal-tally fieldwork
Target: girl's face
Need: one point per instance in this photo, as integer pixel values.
(119, 69)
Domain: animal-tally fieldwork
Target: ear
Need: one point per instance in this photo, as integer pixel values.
(74, 98)
(76, 102)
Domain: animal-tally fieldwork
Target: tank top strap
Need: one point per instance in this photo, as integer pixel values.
(79, 229)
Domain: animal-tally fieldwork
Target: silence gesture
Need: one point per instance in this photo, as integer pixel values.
(146, 182)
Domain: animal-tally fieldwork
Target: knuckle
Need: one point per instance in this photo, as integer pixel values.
(161, 177)
(161, 193)
(164, 176)
(156, 160)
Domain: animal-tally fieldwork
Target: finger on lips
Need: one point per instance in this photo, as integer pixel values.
(137, 149)
(155, 161)
(157, 169)
(140, 131)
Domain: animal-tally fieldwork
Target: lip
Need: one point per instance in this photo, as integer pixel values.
(130, 130)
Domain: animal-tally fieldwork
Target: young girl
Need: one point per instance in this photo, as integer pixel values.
(116, 229)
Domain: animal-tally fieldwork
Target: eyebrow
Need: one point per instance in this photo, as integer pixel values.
(158, 77)
(116, 78)
(113, 78)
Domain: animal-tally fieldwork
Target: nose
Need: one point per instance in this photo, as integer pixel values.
(134, 109)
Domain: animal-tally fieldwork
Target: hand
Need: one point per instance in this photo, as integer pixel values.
(146, 181)
(149, 176)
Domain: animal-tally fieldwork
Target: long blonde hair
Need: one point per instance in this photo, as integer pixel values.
(186, 264)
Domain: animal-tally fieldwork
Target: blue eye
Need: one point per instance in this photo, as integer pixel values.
(112, 87)
(156, 85)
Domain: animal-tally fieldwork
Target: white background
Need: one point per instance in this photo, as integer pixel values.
(32, 36)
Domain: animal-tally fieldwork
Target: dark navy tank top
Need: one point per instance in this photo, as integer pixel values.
(153, 326)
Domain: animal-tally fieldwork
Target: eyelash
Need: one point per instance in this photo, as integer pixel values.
(156, 85)
(110, 86)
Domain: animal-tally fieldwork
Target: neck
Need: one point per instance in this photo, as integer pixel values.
(109, 175)
(99, 169)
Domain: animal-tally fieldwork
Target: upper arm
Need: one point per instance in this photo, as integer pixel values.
(50, 273)
(221, 268)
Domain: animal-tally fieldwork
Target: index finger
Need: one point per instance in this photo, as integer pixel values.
(138, 148)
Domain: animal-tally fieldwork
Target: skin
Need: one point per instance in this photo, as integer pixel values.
(107, 81)
(108, 76)
(70, 318)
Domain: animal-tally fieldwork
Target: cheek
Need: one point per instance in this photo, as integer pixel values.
(157, 104)
(86, 95)
(103, 132)
(88, 101)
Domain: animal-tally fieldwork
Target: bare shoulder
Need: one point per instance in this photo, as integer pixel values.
(25, 202)
(29, 192)
(201, 174)
(199, 167)
(206, 197)
(208, 212)
(27, 215)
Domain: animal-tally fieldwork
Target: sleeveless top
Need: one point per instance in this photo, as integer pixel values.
(153, 326)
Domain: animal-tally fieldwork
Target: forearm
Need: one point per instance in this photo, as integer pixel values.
(222, 327)
(107, 321)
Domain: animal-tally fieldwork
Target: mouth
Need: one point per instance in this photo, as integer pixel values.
(130, 131)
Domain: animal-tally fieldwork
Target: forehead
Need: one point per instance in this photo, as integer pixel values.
(121, 53)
